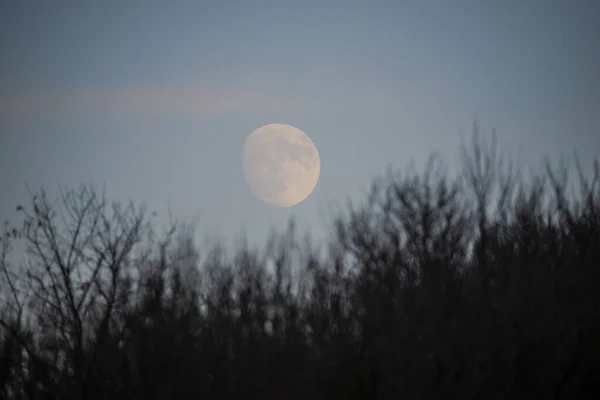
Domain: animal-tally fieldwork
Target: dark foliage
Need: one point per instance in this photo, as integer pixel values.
(485, 286)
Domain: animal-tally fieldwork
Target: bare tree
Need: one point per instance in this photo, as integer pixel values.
(482, 286)
(78, 275)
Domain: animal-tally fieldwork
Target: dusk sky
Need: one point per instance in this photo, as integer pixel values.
(154, 99)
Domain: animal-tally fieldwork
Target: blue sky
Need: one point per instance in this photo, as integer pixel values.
(155, 98)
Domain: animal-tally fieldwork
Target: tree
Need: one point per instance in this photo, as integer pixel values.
(477, 286)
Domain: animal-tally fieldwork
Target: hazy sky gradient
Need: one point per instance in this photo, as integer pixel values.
(155, 99)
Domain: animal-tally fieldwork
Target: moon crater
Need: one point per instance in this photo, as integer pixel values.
(281, 164)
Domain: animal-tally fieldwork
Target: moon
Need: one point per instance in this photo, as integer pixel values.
(281, 164)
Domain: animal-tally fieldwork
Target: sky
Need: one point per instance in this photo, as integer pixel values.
(155, 99)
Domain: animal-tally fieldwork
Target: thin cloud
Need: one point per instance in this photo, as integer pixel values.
(182, 101)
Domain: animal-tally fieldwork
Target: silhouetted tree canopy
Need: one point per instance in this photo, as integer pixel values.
(483, 285)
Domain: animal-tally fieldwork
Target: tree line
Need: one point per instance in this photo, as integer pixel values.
(483, 285)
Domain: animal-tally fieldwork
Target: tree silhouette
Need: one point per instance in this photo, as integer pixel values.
(478, 286)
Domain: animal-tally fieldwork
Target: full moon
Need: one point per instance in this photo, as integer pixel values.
(281, 164)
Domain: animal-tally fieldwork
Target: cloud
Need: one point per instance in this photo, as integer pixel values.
(178, 101)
